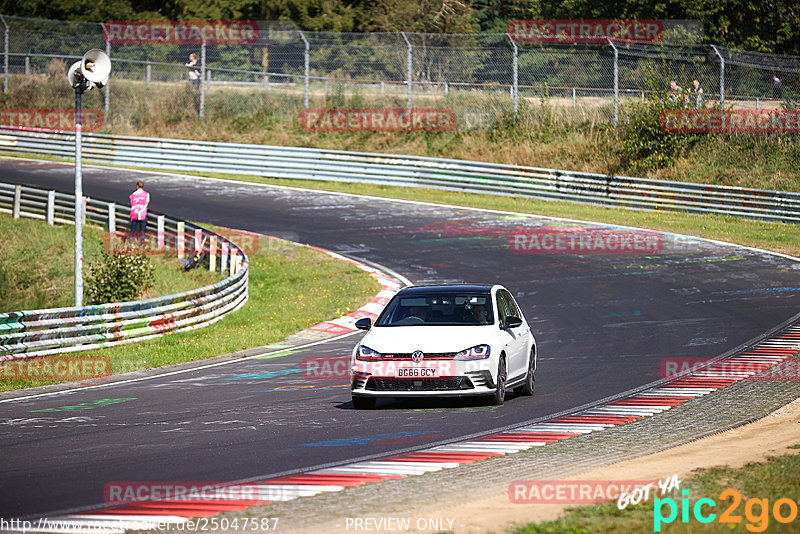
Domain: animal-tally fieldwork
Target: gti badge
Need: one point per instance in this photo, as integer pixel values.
(417, 356)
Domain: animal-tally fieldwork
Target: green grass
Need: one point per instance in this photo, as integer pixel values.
(291, 288)
(36, 265)
(773, 479)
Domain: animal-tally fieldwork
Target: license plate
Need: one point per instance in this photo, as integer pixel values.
(416, 372)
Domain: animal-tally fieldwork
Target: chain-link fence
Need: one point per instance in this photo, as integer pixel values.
(478, 76)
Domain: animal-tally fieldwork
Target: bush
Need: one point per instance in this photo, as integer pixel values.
(119, 278)
(644, 146)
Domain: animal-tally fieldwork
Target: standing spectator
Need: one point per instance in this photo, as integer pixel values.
(140, 199)
(698, 95)
(194, 70)
(777, 86)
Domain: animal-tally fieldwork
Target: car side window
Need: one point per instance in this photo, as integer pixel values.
(511, 304)
(502, 309)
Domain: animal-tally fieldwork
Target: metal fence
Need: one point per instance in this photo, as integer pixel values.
(414, 171)
(60, 330)
(471, 73)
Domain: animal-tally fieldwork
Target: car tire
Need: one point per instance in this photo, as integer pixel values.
(364, 403)
(499, 396)
(526, 388)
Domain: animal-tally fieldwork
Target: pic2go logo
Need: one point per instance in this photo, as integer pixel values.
(756, 511)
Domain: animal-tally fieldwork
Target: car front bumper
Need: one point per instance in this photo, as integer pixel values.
(406, 379)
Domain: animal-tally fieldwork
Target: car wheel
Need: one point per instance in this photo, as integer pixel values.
(527, 387)
(364, 403)
(500, 393)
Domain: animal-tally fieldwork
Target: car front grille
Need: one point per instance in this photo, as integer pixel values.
(418, 384)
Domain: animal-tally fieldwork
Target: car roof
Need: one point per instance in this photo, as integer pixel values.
(450, 288)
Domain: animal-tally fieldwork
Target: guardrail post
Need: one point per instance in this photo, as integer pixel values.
(408, 67)
(198, 238)
(51, 207)
(574, 99)
(223, 264)
(27, 66)
(179, 239)
(112, 217)
(160, 231)
(147, 76)
(616, 81)
(721, 77)
(17, 198)
(306, 61)
(234, 256)
(212, 254)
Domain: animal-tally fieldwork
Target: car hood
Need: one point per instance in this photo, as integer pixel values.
(407, 339)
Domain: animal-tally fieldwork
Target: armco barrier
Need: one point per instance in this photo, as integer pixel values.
(412, 171)
(59, 330)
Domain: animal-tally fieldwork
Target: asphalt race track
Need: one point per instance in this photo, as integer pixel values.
(603, 322)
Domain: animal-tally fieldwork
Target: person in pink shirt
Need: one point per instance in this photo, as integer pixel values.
(140, 199)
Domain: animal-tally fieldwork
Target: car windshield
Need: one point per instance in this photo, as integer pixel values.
(457, 309)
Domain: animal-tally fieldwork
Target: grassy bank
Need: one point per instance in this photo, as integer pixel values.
(291, 288)
(37, 265)
(549, 132)
(763, 483)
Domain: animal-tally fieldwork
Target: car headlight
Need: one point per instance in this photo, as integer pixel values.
(365, 353)
(478, 352)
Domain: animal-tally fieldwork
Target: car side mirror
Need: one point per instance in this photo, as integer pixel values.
(512, 322)
(364, 324)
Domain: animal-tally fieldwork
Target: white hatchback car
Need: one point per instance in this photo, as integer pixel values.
(452, 341)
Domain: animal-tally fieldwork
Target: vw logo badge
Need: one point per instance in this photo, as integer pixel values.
(417, 356)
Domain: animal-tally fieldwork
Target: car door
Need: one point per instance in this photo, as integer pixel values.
(518, 345)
